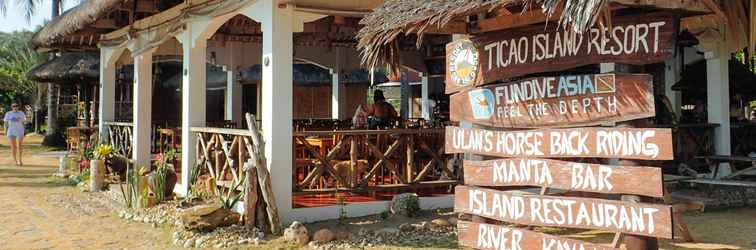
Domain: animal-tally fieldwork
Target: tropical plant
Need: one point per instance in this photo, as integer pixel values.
(229, 198)
(103, 152)
(16, 58)
(341, 202)
(194, 173)
(160, 175)
(29, 8)
(132, 194)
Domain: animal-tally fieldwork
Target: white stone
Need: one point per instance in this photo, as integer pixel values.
(440, 222)
(297, 233)
(387, 230)
(189, 243)
(323, 236)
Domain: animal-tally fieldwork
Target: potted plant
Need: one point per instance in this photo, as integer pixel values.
(100, 154)
(163, 179)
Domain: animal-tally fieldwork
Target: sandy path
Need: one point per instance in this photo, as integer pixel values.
(39, 212)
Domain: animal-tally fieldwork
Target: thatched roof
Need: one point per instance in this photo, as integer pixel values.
(72, 68)
(73, 20)
(396, 18)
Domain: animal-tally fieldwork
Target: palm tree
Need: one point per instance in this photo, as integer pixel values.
(29, 7)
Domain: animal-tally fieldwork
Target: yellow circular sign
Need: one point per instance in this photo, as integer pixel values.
(463, 63)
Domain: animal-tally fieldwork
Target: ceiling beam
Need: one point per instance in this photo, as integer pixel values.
(513, 21)
(452, 27)
(690, 5)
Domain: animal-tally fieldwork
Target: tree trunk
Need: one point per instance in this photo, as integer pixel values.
(52, 97)
(52, 110)
(56, 8)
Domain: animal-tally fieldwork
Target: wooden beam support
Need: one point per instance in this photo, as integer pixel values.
(692, 6)
(453, 27)
(514, 21)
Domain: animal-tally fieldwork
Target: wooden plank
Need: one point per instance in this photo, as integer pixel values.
(452, 27)
(555, 211)
(749, 184)
(250, 193)
(565, 175)
(557, 101)
(257, 153)
(325, 163)
(592, 142)
(496, 237)
(493, 56)
(514, 20)
(398, 131)
(382, 159)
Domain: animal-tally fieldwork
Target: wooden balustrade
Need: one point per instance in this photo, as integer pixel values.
(372, 160)
(224, 152)
(120, 135)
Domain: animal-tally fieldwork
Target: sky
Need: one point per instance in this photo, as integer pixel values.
(15, 20)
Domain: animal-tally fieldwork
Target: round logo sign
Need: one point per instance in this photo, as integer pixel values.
(463, 63)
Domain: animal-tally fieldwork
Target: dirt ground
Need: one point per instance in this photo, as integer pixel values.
(41, 212)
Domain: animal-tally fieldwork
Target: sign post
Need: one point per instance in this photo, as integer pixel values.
(549, 115)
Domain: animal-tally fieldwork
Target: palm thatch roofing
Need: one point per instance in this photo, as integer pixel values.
(395, 18)
(71, 68)
(73, 20)
(398, 19)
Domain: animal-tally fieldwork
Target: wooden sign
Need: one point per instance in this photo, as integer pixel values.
(556, 211)
(499, 55)
(594, 142)
(646, 181)
(557, 101)
(497, 237)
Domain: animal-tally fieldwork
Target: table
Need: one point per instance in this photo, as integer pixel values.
(700, 135)
(716, 159)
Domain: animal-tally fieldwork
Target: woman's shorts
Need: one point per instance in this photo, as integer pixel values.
(15, 135)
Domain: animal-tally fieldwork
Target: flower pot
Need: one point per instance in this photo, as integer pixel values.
(96, 175)
(170, 182)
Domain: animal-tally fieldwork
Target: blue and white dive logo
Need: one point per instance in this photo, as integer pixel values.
(482, 103)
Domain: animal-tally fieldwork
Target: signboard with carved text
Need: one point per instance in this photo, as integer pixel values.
(504, 54)
(497, 237)
(565, 175)
(557, 101)
(594, 142)
(562, 211)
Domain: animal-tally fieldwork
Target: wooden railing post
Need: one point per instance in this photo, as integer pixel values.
(353, 161)
(250, 193)
(257, 153)
(410, 158)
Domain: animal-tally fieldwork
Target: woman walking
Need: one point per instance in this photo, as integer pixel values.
(14, 129)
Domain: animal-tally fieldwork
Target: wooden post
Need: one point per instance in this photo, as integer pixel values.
(410, 158)
(250, 193)
(353, 161)
(257, 153)
(634, 242)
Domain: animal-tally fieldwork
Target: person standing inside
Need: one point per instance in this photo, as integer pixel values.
(382, 114)
(14, 129)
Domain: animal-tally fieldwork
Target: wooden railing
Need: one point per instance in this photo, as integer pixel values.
(223, 152)
(120, 135)
(372, 160)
